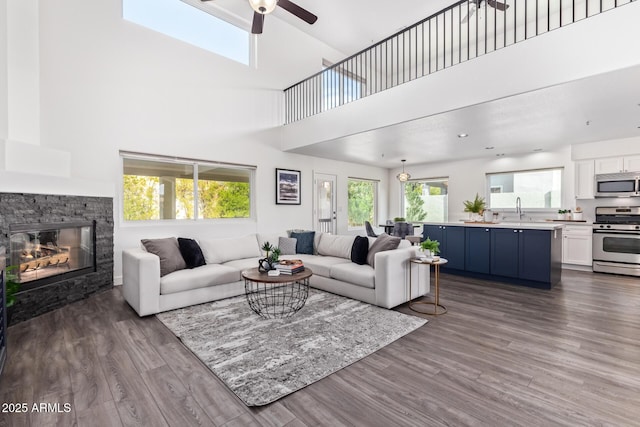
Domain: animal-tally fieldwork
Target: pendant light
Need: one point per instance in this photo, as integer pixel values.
(403, 177)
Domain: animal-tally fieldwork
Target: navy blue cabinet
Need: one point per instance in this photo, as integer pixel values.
(525, 254)
(527, 257)
(477, 250)
(433, 232)
(534, 255)
(452, 246)
(504, 252)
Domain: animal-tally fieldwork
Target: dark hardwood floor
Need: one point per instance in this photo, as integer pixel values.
(502, 356)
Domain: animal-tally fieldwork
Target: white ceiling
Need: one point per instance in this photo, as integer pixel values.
(598, 108)
(595, 109)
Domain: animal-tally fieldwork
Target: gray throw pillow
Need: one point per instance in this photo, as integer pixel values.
(287, 245)
(169, 252)
(383, 242)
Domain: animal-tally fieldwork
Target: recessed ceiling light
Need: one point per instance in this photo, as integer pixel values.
(489, 148)
(463, 135)
(536, 150)
(500, 155)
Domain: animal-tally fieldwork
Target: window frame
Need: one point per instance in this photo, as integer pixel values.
(376, 191)
(195, 163)
(402, 196)
(221, 14)
(528, 209)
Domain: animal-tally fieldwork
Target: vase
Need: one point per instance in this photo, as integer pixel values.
(264, 265)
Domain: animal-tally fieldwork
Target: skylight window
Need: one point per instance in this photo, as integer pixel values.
(191, 25)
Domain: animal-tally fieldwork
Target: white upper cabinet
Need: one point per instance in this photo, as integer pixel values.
(609, 165)
(617, 164)
(584, 180)
(632, 164)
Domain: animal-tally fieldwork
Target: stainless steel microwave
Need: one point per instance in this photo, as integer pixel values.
(625, 184)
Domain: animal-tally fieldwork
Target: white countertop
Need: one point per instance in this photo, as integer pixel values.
(522, 225)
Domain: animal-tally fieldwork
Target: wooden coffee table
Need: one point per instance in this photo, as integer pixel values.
(276, 296)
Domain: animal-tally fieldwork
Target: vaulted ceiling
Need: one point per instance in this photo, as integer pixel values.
(595, 109)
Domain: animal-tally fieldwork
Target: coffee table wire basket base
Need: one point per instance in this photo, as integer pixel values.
(271, 300)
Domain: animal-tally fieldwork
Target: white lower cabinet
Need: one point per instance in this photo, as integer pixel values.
(576, 245)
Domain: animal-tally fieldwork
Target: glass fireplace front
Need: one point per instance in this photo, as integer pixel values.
(46, 253)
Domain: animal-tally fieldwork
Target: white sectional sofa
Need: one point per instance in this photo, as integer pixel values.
(386, 285)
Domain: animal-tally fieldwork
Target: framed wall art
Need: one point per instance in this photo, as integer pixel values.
(287, 187)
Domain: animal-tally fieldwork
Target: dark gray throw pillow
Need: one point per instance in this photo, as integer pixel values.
(304, 244)
(169, 252)
(191, 252)
(383, 242)
(360, 250)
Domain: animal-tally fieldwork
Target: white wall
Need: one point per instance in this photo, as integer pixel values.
(107, 85)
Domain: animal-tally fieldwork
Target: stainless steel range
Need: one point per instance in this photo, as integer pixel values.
(616, 240)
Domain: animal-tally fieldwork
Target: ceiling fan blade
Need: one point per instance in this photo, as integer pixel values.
(497, 5)
(472, 10)
(258, 23)
(298, 11)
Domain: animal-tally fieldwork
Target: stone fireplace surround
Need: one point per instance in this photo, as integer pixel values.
(22, 208)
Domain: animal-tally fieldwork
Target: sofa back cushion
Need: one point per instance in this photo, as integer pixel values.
(169, 253)
(217, 251)
(338, 246)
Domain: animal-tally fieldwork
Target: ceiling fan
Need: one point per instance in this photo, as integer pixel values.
(475, 5)
(264, 7)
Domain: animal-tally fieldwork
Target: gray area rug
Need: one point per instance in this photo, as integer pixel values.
(263, 360)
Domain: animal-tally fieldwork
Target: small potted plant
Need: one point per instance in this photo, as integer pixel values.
(271, 259)
(475, 208)
(431, 248)
(561, 214)
(399, 219)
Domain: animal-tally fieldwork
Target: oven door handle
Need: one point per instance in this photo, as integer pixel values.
(623, 233)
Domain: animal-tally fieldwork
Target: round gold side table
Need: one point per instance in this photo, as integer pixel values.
(437, 307)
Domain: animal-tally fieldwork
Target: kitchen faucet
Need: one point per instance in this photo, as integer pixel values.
(519, 208)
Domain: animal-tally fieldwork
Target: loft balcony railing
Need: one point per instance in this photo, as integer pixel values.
(456, 34)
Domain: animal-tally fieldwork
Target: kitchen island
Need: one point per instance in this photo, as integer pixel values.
(528, 254)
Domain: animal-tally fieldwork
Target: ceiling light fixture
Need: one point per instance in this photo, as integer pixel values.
(537, 150)
(403, 177)
(500, 155)
(463, 135)
(263, 7)
(489, 148)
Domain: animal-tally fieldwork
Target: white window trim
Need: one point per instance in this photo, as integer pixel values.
(190, 161)
(214, 10)
(402, 203)
(376, 201)
(528, 210)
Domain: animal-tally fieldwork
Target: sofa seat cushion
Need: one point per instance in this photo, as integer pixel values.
(199, 277)
(320, 265)
(360, 275)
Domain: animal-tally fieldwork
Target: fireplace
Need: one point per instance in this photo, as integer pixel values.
(44, 253)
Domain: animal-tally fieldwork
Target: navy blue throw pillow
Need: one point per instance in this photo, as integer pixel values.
(360, 250)
(304, 244)
(191, 252)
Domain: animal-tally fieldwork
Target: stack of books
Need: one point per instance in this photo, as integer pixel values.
(290, 266)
